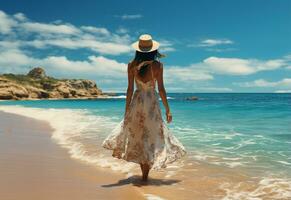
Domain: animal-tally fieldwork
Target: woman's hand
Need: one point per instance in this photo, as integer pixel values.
(169, 116)
(162, 92)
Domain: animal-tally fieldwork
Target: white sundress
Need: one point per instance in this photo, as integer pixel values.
(142, 136)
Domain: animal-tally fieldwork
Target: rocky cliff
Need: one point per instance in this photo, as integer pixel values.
(37, 85)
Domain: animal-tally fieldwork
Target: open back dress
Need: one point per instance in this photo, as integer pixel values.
(142, 136)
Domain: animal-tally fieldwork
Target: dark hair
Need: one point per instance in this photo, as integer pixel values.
(144, 56)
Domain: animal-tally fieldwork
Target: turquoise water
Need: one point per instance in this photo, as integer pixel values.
(251, 131)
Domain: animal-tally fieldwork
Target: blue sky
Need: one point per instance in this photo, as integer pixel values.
(211, 46)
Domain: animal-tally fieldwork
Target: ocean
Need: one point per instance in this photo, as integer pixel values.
(248, 132)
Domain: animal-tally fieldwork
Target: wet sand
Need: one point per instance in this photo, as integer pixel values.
(33, 167)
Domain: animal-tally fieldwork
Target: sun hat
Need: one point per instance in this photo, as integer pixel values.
(145, 44)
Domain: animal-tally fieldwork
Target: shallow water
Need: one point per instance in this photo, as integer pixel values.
(247, 133)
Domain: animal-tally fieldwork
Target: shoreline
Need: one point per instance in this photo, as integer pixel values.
(71, 98)
(38, 168)
(187, 179)
(33, 166)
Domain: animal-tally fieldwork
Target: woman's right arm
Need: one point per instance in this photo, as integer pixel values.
(130, 87)
(163, 93)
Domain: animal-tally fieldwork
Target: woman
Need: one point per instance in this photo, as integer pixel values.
(142, 136)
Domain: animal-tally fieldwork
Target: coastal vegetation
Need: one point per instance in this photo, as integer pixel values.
(37, 85)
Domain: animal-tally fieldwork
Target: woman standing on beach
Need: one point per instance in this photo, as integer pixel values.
(142, 136)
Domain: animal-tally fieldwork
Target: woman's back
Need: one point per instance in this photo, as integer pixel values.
(149, 77)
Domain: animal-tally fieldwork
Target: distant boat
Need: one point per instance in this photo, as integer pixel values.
(192, 98)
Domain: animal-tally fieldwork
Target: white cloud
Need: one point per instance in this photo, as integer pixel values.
(122, 30)
(6, 23)
(284, 83)
(206, 69)
(26, 32)
(288, 57)
(20, 17)
(127, 16)
(14, 58)
(94, 45)
(95, 64)
(190, 73)
(6, 45)
(237, 66)
(166, 46)
(20, 61)
(283, 91)
(209, 67)
(92, 29)
(212, 43)
(219, 50)
(215, 89)
(50, 28)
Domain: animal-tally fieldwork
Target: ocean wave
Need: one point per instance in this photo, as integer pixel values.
(81, 132)
(283, 162)
(219, 148)
(124, 97)
(167, 98)
(115, 97)
(72, 129)
(153, 197)
(266, 188)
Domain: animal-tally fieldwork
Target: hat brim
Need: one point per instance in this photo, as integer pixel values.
(155, 46)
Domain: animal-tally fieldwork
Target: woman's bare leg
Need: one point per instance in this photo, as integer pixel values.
(145, 168)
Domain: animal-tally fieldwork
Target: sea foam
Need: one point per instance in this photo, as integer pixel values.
(72, 128)
(267, 188)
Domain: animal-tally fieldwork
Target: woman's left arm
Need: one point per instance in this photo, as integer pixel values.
(130, 87)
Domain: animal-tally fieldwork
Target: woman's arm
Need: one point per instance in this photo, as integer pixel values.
(129, 87)
(163, 93)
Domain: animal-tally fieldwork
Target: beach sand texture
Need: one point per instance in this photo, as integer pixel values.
(33, 166)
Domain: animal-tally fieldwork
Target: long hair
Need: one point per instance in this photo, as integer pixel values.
(142, 56)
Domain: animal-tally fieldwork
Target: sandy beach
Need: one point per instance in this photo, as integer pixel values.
(32, 167)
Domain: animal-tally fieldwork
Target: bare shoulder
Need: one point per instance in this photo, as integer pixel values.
(130, 66)
(130, 63)
(158, 66)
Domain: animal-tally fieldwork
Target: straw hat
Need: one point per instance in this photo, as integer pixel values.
(145, 44)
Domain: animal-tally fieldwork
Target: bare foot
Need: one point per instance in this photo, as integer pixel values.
(144, 178)
(116, 154)
(145, 171)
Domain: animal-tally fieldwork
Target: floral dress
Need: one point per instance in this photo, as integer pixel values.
(142, 136)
